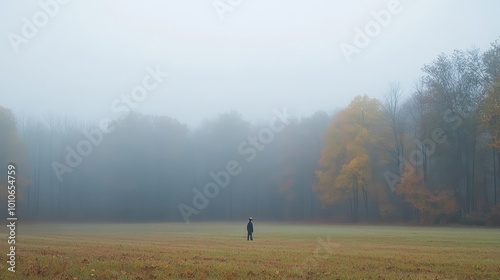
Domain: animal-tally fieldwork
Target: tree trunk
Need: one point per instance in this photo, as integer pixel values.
(365, 201)
(494, 176)
(356, 204)
(351, 206)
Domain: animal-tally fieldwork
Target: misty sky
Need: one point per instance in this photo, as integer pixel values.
(263, 55)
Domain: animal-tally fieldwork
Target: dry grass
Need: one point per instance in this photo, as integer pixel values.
(281, 251)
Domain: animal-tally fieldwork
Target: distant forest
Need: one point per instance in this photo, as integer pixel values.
(426, 155)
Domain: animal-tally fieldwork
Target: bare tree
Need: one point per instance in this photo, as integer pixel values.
(391, 106)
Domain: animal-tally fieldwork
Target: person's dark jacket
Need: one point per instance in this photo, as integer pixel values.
(250, 226)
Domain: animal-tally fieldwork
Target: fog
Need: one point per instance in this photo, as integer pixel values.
(220, 110)
(260, 57)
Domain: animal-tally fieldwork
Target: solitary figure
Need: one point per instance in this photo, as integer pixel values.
(249, 229)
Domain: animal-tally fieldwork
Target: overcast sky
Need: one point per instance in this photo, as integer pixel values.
(260, 55)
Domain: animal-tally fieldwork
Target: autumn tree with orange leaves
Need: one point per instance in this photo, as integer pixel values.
(428, 205)
(346, 160)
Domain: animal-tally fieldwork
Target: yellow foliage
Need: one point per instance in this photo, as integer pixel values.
(12, 151)
(345, 158)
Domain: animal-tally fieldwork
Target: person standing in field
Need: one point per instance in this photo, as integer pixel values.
(249, 229)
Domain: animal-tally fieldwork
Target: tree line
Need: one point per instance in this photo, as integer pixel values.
(149, 165)
(431, 156)
(427, 155)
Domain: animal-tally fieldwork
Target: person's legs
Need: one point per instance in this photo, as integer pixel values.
(251, 236)
(248, 236)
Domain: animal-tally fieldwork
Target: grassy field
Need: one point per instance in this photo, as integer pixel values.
(281, 251)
